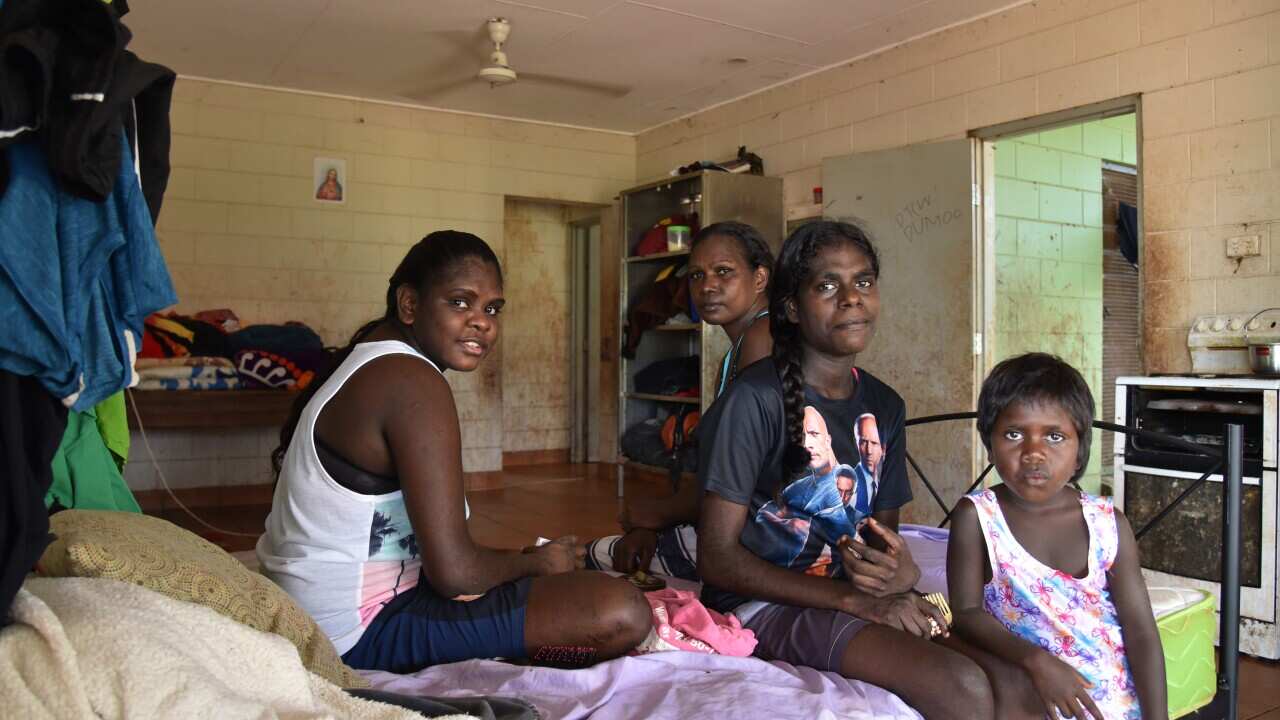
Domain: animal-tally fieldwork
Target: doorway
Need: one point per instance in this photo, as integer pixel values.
(1063, 251)
(584, 364)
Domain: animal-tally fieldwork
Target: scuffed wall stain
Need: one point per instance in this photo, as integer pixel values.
(535, 326)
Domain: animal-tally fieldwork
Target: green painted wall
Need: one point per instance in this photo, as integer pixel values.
(1049, 247)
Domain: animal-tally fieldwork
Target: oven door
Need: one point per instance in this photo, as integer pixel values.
(1185, 549)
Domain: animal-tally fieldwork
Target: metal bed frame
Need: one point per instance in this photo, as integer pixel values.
(1224, 705)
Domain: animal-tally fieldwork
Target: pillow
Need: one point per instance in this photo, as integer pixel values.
(163, 557)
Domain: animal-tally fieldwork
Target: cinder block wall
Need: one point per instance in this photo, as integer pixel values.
(1049, 247)
(240, 229)
(1209, 74)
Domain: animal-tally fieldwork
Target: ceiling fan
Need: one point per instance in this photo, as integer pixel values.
(498, 71)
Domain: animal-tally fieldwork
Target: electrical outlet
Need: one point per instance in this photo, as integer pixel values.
(1243, 246)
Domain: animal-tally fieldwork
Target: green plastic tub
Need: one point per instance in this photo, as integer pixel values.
(1187, 626)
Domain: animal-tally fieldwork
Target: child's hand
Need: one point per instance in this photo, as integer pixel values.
(879, 573)
(562, 555)
(1061, 688)
(910, 613)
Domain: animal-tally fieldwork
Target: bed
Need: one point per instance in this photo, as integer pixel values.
(681, 684)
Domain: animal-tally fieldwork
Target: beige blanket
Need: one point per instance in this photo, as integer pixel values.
(91, 648)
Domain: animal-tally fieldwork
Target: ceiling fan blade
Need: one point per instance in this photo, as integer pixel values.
(592, 86)
(468, 50)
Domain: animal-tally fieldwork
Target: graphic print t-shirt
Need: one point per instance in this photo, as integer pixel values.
(857, 467)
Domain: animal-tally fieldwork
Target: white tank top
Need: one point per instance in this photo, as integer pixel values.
(341, 555)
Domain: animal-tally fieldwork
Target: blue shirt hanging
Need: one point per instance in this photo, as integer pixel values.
(77, 278)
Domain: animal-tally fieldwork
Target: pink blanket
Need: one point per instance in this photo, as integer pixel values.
(669, 685)
(681, 622)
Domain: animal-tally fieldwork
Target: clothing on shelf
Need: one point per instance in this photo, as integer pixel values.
(289, 371)
(191, 383)
(667, 297)
(287, 338)
(173, 336)
(670, 376)
(32, 423)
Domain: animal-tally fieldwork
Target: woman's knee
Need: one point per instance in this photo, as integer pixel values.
(623, 616)
(968, 686)
(591, 609)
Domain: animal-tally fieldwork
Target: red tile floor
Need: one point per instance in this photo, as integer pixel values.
(554, 500)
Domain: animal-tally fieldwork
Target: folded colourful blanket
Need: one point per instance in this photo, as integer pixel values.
(217, 383)
(189, 361)
(194, 372)
(291, 371)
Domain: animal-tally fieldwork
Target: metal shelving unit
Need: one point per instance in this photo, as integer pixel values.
(747, 198)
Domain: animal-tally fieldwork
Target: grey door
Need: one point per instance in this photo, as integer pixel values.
(917, 204)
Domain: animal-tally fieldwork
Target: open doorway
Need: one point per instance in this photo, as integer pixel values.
(1063, 251)
(584, 370)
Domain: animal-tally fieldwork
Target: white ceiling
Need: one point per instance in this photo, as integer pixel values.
(672, 54)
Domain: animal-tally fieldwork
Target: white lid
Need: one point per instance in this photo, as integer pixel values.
(1169, 600)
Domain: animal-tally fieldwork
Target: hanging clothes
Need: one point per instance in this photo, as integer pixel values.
(66, 76)
(77, 279)
(31, 425)
(113, 425)
(85, 474)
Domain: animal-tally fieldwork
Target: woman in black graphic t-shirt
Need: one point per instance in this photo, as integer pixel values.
(797, 530)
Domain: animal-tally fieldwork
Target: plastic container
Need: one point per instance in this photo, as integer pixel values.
(678, 237)
(1186, 621)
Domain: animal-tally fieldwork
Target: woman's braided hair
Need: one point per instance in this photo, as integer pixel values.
(790, 274)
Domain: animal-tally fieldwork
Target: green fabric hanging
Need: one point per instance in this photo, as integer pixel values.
(85, 473)
(113, 425)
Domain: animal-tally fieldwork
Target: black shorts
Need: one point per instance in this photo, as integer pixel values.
(421, 628)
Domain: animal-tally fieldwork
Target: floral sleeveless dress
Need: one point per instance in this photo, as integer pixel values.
(1073, 618)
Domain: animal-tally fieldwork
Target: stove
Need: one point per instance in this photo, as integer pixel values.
(1185, 549)
(1219, 343)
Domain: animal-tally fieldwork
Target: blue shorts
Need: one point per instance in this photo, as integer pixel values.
(421, 628)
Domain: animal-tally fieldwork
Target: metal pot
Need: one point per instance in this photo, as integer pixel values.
(1264, 358)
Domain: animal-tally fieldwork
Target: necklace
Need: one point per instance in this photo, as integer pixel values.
(730, 366)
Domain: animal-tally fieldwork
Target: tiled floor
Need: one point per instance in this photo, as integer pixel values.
(554, 500)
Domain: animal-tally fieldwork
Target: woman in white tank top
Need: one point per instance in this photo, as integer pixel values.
(368, 528)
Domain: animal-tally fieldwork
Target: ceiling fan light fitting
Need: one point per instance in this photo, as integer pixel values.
(497, 75)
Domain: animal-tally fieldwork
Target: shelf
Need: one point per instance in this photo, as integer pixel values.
(664, 398)
(657, 256)
(209, 409)
(680, 327)
(803, 212)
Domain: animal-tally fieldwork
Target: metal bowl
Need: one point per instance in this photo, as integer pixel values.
(1264, 358)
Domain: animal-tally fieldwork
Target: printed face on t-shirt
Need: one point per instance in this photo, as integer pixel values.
(817, 440)
(844, 486)
(868, 439)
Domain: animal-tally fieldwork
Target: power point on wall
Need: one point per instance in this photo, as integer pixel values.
(1243, 246)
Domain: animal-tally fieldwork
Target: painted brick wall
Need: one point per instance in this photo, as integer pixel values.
(240, 229)
(1209, 72)
(1049, 247)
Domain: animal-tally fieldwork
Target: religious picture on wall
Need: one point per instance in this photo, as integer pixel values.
(329, 178)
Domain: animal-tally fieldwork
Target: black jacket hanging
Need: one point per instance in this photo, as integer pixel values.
(66, 75)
